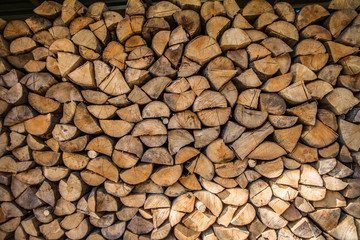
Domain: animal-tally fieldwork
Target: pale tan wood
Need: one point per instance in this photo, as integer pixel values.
(304, 153)
(233, 39)
(178, 139)
(76, 145)
(44, 37)
(304, 228)
(295, 93)
(41, 53)
(184, 203)
(318, 89)
(198, 221)
(97, 165)
(195, 50)
(265, 19)
(282, 121)
(349, 64)
(216, 26)
(129, 26)
(181, 232)
(272, 103)
(259, 193)
(249, 98)
(285, 31)
(285, 11)
(247, 79)
(338, 51)
(40, 124)
(292, 214)
(349, 36)
(310, 176)
(140, 58)
(230, 232)
(101, 144)
(175, 190)
(336, 4)
(59, 31)
(70, 9)
(113, 53)
(161, 232)
(271, 219)
(341, 171)
(181, 101)
(214, 117)
(186, 154)
(22, 45)
(352, 207)
(326, 137)
(231, 196)
(34, 66)
(188, 67)
(256, 8)
(267, 151)
(309, 108)
(220, 71)
(96, 10)
(314, 62)
(52, 230)
(312, 193)
(49, 9)
(345, 229)
(250, 140)
(284, 62)
(212, 9)
(345, 155)
(143, 169)
(16, 95)
(257, 51)
(135, 7)
(211, 201)
(349, 82)
(154, 25)
(309, 47)
(348, 132)
(302, 73)
(279, 205)
(162, 68)
(133, 42)
(345, 100)
(177, 37)
(15, 29)
(166, 176)
(163, 9)
(288, 138)
(114, 231)
(306, 16)
(272, 169)
(352, 190)
(79, 23)
(330, 151)
(160, 41)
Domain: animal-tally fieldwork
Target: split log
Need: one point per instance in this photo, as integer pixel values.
(250, 140)
(198, 49)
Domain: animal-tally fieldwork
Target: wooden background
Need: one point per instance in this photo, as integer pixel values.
(22, 9)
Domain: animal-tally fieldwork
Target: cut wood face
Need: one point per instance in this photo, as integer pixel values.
(181, 119)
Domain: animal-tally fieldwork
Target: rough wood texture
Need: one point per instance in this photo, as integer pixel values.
(181, 120)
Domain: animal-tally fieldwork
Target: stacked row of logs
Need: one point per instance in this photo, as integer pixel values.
(181, 120)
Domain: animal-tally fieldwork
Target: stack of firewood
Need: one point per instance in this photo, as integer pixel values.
(181, 120)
